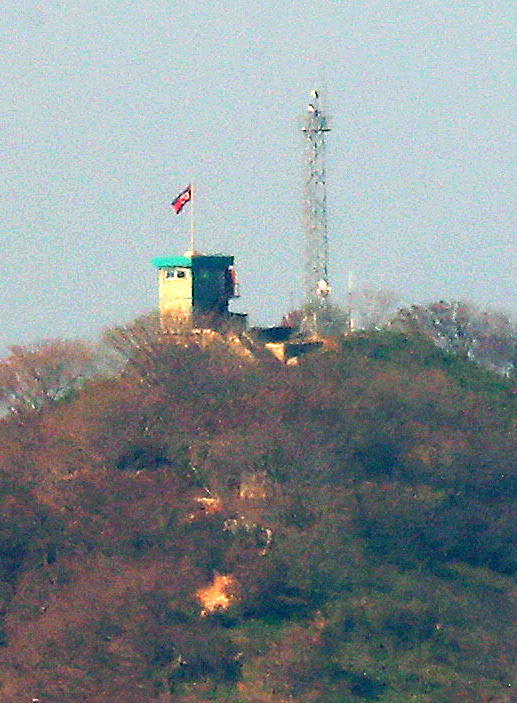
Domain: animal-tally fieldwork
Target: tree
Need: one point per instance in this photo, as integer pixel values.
(370, 307)
(332, 320)
(486, 336)
(44, 373)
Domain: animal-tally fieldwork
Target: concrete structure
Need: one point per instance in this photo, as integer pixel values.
(195, 290)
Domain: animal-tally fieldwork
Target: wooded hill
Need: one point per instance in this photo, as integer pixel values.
(204, 526)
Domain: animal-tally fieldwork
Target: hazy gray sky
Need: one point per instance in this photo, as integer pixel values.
(110, 108)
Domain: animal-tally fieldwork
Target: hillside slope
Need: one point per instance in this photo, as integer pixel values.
(207, 528)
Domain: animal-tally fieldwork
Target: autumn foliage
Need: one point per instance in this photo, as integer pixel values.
(207, 525)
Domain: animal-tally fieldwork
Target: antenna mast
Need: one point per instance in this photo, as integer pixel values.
(317, 287)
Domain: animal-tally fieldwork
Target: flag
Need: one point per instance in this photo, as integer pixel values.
(182, 199)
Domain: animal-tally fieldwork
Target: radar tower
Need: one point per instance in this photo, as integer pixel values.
(317, 287)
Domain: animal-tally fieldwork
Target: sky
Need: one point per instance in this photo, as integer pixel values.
(109, 109)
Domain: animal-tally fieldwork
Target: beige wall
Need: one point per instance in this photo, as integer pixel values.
(175, 293)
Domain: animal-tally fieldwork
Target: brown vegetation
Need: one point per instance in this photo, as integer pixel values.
(201, 528)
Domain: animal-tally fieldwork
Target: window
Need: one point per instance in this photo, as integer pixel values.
(176, 273)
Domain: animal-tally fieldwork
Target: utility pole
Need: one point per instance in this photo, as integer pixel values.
(317, 287)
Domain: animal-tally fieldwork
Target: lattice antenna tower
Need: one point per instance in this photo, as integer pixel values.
(317, 288)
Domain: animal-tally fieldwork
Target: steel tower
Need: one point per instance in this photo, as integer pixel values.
(317, 288)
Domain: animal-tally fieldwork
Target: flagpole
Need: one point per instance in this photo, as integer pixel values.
(192, 220)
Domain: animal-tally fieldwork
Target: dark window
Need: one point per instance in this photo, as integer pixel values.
(176, 273)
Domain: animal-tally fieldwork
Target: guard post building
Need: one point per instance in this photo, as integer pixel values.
(195, 290)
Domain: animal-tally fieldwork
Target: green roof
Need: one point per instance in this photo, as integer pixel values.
(168, 261)
(204, 260)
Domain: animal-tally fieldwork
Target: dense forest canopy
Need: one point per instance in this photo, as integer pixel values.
(206, 524)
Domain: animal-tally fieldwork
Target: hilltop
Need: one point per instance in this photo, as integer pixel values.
(207, 525)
